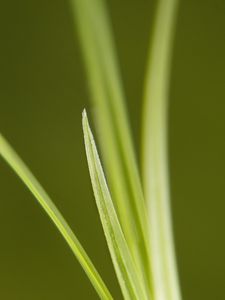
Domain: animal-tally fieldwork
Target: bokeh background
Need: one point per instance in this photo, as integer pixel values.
(43, 89)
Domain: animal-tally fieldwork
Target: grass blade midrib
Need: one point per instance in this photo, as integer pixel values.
(131, 284)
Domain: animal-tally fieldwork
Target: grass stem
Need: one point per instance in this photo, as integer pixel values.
(155, 153)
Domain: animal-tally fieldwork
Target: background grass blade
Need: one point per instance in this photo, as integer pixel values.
(33, 185)
(155, 163)
(130, 283)
(112, 124)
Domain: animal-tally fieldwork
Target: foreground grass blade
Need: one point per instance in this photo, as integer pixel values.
(155, 163)
(33, 185)
(112, 124)
(131, 284)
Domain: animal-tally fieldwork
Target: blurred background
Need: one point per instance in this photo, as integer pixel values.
(43, 89)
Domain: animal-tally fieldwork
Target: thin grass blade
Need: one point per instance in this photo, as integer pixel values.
(36, 189)
(155, 161)
(112, 124)
(131, 285)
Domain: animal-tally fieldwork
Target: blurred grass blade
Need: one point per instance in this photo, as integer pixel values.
(112, 124)
(131, 284)
(36, 189)
(155, 162)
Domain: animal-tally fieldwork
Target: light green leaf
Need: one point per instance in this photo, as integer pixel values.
(130, 282)
(112, 124)
(155, 161)
(36, 189)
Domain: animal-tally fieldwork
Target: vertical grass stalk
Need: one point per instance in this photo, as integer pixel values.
(112, 123)
(155, 151)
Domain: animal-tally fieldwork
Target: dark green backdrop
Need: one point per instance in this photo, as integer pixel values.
(43, 90)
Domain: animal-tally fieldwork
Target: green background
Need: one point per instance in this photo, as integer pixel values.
(43, 89)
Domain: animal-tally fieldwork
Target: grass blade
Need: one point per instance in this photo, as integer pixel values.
(112, 124)
(155, 162)
(131, 284)
(36, 189)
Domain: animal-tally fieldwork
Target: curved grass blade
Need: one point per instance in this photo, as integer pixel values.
(113, 127)
(36, 189)
(155, 162)
(131, 284)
